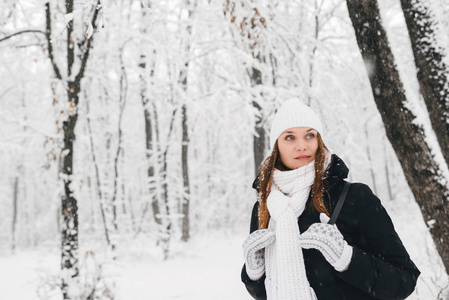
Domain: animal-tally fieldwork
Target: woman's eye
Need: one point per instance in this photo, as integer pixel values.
(289, 138)
(310, 136)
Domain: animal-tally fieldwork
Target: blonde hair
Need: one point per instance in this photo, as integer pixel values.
(319, 186)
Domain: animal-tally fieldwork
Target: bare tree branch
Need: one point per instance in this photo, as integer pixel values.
(49, 45)
(89, 44)
(21, 32)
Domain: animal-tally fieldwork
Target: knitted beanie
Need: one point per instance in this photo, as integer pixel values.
(293, 113)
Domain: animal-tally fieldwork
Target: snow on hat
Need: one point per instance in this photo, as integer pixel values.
(293, 113)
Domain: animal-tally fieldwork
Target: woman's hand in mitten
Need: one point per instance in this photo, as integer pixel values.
(329, 241)
(254, 252)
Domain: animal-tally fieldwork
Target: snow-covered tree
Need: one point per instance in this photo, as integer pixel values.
(408, 139)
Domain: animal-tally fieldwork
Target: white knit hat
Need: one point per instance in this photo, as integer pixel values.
(293, 113)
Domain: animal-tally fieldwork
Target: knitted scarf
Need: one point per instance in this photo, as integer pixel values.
(285, 271)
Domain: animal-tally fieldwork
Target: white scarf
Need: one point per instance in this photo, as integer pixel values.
(285, 271)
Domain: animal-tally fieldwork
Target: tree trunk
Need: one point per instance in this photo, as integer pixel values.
(185, 176)
(433, 74)
(69, 211)
(158, 199)
(14, 213)
(259, 137)
(151, 153)
(185, 205)
(406, 137)
(122, 104)
(69, 206)
(150, 139)
(156, 159)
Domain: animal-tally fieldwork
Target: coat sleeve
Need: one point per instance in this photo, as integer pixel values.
(380, 266)
(255, 288)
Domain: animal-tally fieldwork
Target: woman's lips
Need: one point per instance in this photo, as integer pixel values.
(302, 157)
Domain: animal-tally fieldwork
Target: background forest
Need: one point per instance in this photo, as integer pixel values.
(131, 132)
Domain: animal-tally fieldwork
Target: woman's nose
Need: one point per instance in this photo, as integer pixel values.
(300, 145)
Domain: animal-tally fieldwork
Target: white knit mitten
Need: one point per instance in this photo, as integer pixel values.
(254, 252)
(329, 241)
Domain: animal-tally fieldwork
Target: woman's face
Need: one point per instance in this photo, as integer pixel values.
(298, 146)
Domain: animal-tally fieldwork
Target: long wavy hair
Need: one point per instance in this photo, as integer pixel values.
(319, 186)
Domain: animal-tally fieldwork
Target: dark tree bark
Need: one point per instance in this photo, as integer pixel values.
(185, 177)
(406, 137)
(433, 74)
(185, 205)
(69, 208)
(69, 205)
(150, 142)
(259, 137)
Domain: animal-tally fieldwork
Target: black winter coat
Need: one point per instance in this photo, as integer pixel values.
(380, 267)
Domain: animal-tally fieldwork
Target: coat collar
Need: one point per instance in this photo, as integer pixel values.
(337, 170)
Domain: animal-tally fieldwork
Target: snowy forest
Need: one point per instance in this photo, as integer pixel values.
(131, 133)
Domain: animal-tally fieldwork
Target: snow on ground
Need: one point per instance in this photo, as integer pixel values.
(206, 268)
(17, 276)
(25, 273)
(202, 269)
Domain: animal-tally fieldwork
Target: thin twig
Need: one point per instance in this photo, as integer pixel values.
(21, 32)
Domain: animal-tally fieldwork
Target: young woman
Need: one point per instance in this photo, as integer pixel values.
(291, 252)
